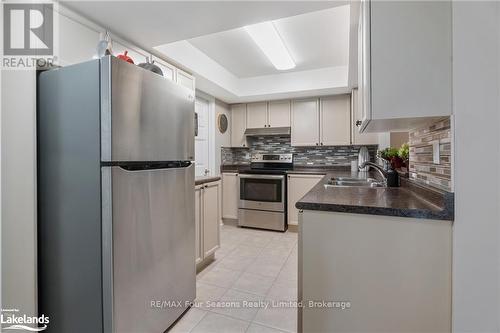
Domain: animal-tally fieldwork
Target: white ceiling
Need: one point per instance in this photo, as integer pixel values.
(315, 40)
(230, 66)
(236, 51)
(152, 23)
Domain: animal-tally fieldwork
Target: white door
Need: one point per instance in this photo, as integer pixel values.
(201, 142)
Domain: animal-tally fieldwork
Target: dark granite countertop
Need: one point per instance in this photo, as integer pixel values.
(409, 200)
(205, 179)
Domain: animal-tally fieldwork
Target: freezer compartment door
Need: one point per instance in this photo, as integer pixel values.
(148, 247)
(144, 116)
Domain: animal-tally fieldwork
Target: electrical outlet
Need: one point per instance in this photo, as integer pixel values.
(435, 152)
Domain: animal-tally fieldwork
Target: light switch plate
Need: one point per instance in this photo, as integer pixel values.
(435, 152)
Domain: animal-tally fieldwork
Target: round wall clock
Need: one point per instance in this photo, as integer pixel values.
(222, 122)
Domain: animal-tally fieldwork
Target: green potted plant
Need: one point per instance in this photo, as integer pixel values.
(396, 157)
(404, 154)
(388, 155)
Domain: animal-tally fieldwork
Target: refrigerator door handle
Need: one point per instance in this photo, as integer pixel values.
(148, 166)
(196, 124)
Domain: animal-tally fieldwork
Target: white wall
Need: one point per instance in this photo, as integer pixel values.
(18, 191)
(476, 230)
(221, 140)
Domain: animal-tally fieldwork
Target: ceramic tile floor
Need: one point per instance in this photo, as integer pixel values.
(252, 267)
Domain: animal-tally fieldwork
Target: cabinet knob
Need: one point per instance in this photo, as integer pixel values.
(358, 123)
(321, 143)
(317, 144)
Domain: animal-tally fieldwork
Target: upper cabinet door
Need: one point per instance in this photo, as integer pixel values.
(279, 114)
(416, 82)
(405, 54)
(305, 122)
(167, 69)
(364, 64)
(185, 79)
(335, 120)
(257, 115)
(358, 138)
(238, 125)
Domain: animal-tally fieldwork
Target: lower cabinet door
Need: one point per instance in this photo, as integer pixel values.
(211, 217)
(298, 186)
(198, 204)
(230, 195)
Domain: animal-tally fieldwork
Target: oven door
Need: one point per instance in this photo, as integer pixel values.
(262, 192)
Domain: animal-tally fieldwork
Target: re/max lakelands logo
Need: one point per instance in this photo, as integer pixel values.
(12, 320)
(28, 35)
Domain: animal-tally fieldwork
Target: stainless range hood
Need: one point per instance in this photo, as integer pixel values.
(268, 131)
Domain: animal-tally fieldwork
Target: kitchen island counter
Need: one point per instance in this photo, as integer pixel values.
(409, 200)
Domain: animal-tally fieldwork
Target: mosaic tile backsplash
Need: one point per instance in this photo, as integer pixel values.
(304, 156)
(422, 168)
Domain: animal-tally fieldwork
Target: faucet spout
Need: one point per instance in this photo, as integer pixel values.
(377, 168)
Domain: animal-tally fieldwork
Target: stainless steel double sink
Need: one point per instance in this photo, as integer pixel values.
(354, 182)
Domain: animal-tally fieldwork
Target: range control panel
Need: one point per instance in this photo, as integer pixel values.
(272, 158)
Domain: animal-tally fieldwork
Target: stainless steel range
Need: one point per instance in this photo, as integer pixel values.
(263, 192)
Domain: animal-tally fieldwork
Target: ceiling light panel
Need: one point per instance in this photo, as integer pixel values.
(269, 41)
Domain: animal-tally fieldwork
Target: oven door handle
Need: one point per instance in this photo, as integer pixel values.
(262, 176)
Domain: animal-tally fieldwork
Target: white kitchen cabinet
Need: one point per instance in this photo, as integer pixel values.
(279, 114)
(211, 217)
(272, 114)
(298, 186)
(167, 69)
(185, 79)
(305, 122)
(357, 137)
(404, 75)
(230, 195)
(335, 120)
(198, 213)
(257, 115)
(321, 122)
(208, 219)
(238, 125)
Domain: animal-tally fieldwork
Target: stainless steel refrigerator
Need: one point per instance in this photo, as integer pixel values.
(116, 229)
